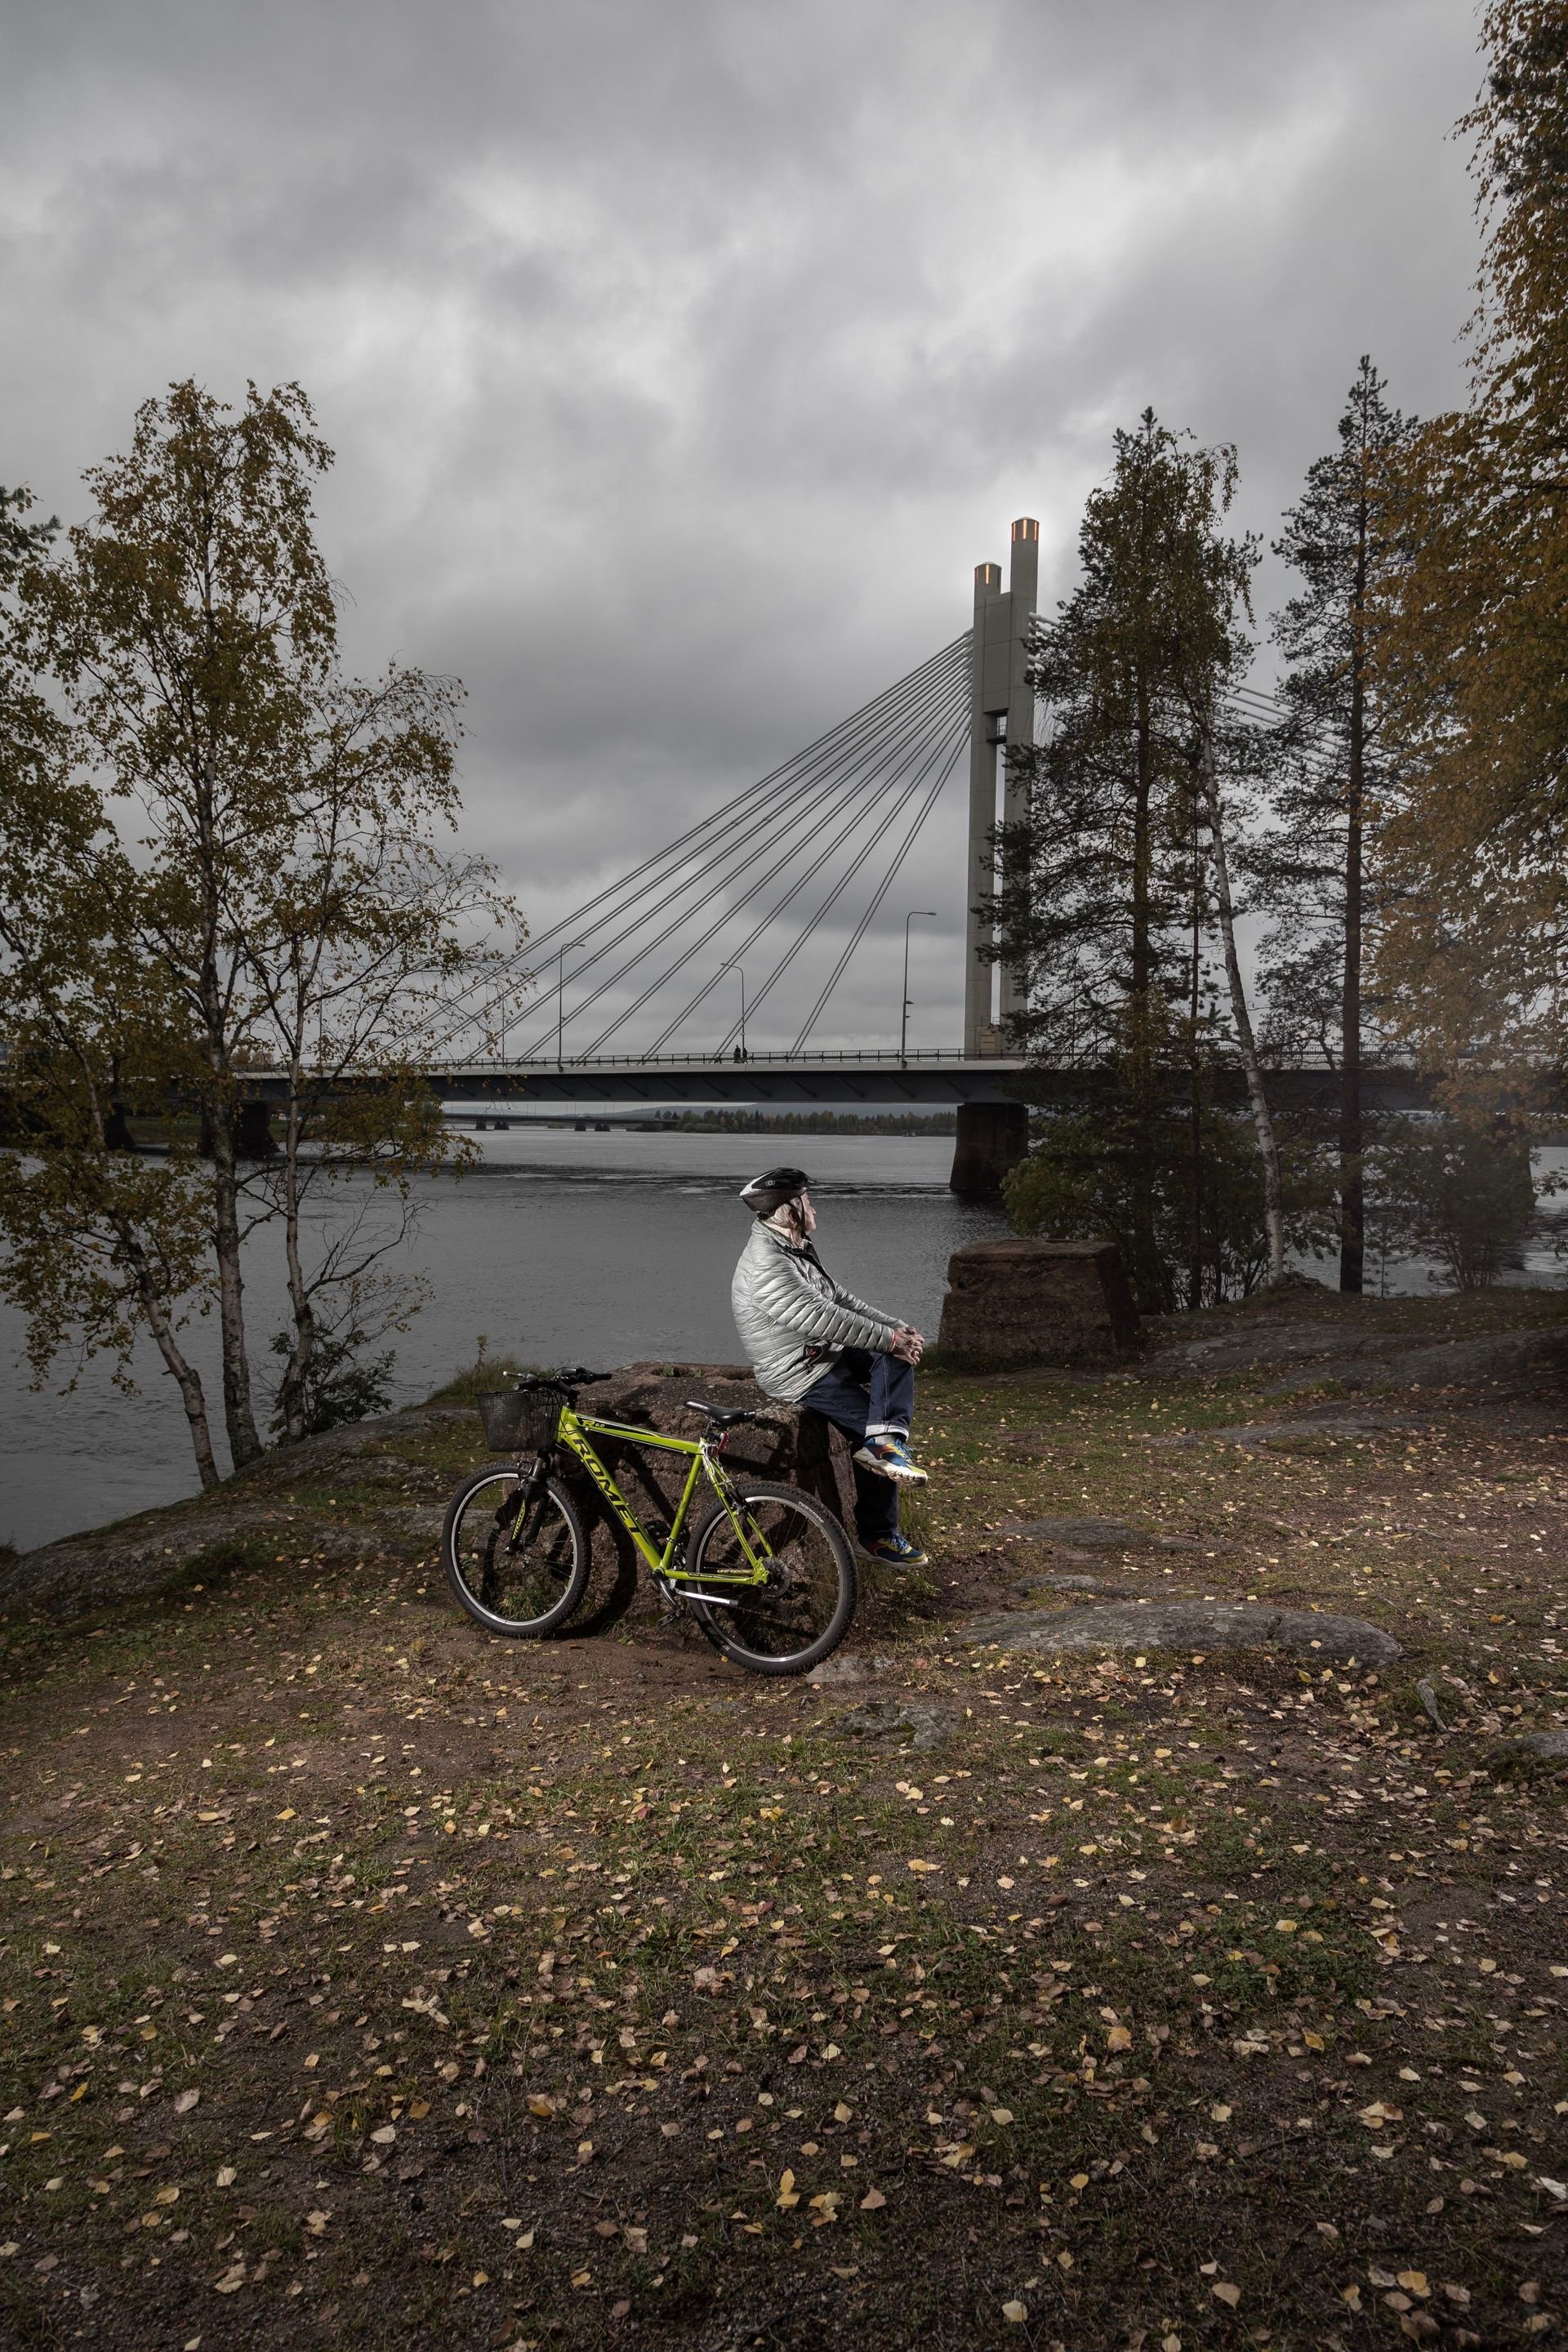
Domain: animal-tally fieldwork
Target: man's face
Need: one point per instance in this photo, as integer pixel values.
(807, 1214)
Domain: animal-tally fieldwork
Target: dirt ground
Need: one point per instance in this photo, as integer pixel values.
(371, 1982)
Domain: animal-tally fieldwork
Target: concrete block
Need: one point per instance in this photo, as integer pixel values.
(1014, 1302)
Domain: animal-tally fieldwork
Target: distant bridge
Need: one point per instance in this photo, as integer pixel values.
(993, 1123)
(986, 1091)
(759, 908)
(875, 1080)
(741, 909)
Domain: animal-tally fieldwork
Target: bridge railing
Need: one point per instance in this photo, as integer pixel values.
(886, 1058)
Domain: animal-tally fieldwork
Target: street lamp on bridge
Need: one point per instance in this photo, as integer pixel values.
(915, 914)
(733, 965)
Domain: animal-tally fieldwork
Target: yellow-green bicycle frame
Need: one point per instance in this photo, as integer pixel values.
(573, 1430)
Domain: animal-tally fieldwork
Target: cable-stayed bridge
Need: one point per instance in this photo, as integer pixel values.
(650, 991)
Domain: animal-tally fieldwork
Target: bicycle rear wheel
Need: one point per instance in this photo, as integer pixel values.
(801, 1615)
(515, 1572)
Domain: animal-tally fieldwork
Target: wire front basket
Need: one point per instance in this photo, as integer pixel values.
(520, 1421)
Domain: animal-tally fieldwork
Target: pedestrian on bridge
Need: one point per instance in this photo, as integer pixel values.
(812, 1342)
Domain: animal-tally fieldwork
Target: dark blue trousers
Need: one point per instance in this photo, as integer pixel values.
(861, 1392)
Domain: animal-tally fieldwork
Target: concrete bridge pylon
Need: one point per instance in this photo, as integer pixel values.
(1002, 718)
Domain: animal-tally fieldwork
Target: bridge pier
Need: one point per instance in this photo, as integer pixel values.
(251, 1128)
(117, 1135)
(992, 1138)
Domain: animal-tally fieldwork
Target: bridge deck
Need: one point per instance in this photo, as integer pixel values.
(886, 1080)
(878, 1080)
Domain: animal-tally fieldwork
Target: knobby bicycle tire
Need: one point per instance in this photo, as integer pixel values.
(807, 1606)
(487, 1571)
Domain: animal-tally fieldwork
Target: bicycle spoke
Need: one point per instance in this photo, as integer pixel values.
(801, 1609)
(516, 1568)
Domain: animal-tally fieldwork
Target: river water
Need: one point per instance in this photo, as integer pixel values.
(561, 1247)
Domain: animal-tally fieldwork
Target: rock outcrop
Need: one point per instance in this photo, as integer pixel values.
(1012, 1304)
(1201, 1625)
(786, 1442)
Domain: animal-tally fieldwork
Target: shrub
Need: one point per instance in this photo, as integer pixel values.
(1459, 1191)
(1189, 1225)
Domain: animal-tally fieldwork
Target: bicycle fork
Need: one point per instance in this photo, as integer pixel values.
(530, 1508)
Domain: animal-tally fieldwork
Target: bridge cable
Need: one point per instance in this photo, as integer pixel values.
(658, 871)
(756, 842)
(880, 893)
(824, 805)
(943, 752)
(871, 713)
(919, 759)
(869, 803)
(805, 813)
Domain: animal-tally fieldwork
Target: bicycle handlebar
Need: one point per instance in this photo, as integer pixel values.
(572, 1376)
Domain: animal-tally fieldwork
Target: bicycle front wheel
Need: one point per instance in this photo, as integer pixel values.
(799, 1616)
(516, 1570)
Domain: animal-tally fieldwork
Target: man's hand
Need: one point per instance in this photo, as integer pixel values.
(906, 1344)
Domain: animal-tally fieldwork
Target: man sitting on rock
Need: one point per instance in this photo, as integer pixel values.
(813, 1343)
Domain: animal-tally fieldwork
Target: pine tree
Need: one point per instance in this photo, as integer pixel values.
(1107, 884)
(1333, 761)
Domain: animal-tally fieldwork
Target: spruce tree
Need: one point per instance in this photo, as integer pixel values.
(1334, 763)
(1106, 899)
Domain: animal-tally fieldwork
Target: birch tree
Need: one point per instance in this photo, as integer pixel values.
(240, 850)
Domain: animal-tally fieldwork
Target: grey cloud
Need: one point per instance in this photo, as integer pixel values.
(682, 360)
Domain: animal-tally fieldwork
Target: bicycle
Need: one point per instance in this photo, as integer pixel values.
(766, 1572)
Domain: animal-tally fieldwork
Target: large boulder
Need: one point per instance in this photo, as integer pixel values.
(1016, 1303)
(788, 1442)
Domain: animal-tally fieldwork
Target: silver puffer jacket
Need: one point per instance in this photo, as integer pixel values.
(793, 1319)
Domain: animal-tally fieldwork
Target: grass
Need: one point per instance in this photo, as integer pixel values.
(593, 1993)
(486, 1372)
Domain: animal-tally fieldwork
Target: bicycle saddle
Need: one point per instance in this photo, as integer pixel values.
(725, 1415)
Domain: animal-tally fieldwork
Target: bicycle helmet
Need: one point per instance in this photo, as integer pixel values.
(770, 1191)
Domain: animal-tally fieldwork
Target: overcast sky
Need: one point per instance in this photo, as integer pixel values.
(682, 357)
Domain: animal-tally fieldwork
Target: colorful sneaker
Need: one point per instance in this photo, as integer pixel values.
(889, 1457)
(897, 1550)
